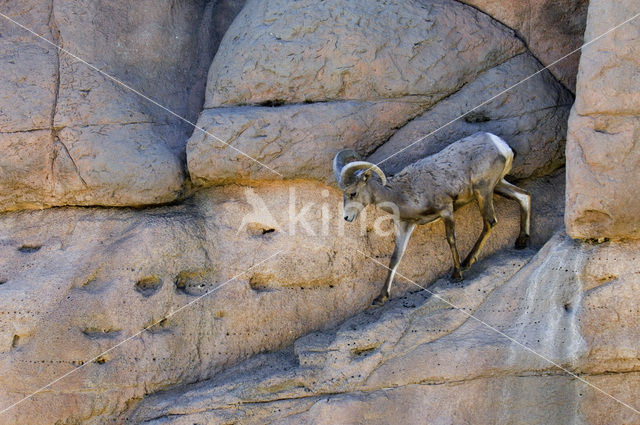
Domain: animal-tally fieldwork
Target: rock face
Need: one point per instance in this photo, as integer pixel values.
(420, 360)
(297, 141)
(551, 29)
(366, 72)
(603, 129)
(29, 71)
(75, 282)
(300, 140)
(68, 134)
(286, 51)
(532, 118)
(75, 137)
(230, 301)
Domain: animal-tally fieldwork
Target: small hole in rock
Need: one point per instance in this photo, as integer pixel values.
(363, 351)
(606, 279)
(475, 117)
(259, 229)
(99, 332)
(28, 249)
(193, 282)
(148, 285)
(91, 280)
(262, 283)
(567, 307)
(274, 102)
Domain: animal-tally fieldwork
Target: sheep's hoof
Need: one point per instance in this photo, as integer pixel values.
(456, 276)
(522, 242)
(380, 300)
(466, 264)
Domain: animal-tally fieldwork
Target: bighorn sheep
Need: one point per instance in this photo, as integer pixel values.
(432, 188)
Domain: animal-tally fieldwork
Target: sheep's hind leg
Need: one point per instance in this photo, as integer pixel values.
(489, 220)
(523, 197)
(403, 233)
(449, 225)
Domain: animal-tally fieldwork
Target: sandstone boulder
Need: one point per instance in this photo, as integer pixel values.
(531, 117)
(233, 305)
(116, 165)
(286, 51)
(25, 169)
(607, 81)
(297, 141)
(29, 69)
(27, 95)
(106, 144)
(603, 129)
(300, 140)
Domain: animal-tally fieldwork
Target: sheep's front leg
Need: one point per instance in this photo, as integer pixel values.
(449, 225)
(403, 233)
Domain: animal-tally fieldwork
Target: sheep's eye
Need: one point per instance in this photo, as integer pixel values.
(353, 195)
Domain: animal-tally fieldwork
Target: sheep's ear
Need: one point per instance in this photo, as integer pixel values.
(365, 176)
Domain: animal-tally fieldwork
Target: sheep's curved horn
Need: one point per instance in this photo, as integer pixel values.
(348, 171)
(343, 157)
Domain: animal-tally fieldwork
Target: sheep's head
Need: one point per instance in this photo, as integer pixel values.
(353, 176)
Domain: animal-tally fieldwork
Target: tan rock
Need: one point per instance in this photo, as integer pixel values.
(603, 130)
(29, 69)
(551, 29)
(608, 81)
(294, 140)
(282, 51)
(75, 282)
(273, 341)
(25, 168)
(300, 140)
(131, 43)
(27, 95)
(418, 360)
(117, 165)
(600, 196)
(531, 117)
(106, 144)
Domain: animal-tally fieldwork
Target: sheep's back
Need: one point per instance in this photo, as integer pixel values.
(456, 168)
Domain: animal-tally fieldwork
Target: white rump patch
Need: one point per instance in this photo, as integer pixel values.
(505, 151)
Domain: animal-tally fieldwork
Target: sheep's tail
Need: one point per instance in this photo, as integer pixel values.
(505, 151)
